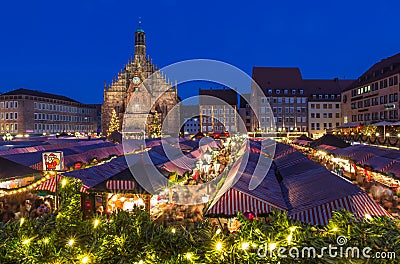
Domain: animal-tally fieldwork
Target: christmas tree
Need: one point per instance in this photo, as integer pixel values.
(114, 123)
(155, 127)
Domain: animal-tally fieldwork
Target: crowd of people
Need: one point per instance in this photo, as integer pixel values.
(28, 209)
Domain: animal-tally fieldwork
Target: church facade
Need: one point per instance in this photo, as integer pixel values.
(141, 96)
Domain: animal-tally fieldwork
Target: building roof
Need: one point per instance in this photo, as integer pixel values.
(323, 87)
(23, 91)
(225, 94)
(290, 78)
(386, 67)
(277, 78)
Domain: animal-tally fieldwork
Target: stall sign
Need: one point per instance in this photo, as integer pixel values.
(53, 161)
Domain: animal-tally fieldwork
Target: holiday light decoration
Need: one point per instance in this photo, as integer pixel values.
(114, 123)
(70, 239)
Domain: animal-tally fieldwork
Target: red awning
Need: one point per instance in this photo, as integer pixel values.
(359, 204)
(50, 185)
(234, 201)
(120, 185)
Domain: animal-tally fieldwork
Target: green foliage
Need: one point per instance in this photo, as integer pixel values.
(131, 237)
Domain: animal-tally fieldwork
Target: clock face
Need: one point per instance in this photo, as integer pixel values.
(136, 80)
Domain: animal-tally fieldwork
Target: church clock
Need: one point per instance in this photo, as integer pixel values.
(136, 80)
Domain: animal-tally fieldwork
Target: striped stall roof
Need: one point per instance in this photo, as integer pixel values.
(377, 162)
(306, 190)
(120, 185)
(234, 201)
(359, 204)
(50, 185)
(394, 168)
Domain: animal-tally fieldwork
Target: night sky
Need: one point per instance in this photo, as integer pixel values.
(71, 47)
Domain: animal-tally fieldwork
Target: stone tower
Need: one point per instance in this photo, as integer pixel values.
(139, 91)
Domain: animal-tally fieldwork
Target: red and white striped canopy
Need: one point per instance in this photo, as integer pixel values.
(120, 185)
(50, 185)
(234, 201)
(359, 204)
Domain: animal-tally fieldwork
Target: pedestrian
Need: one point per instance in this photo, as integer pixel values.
(225, 230)
(26, 209)
(6, 215)
(43, 207)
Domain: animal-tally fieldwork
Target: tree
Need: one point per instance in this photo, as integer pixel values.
(114, 123)
(155, 127)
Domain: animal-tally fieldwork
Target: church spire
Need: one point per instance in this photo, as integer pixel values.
(140, 42)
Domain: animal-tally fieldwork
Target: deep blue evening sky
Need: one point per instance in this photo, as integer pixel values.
(71, 47)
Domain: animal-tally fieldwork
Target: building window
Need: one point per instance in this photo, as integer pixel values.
(301, 92)
(285, 91)
(269, 91)
(278, 91)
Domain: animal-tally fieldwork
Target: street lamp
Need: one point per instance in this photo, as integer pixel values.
(208, 156)
(206, 166)
(217, 166)
(199, 164)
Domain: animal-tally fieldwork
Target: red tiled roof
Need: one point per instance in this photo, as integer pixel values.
(379, 70)
(290, 78)
(277, 78)
(334, 86)
(226, 94)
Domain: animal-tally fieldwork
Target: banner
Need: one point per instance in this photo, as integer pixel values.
(53, 161)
